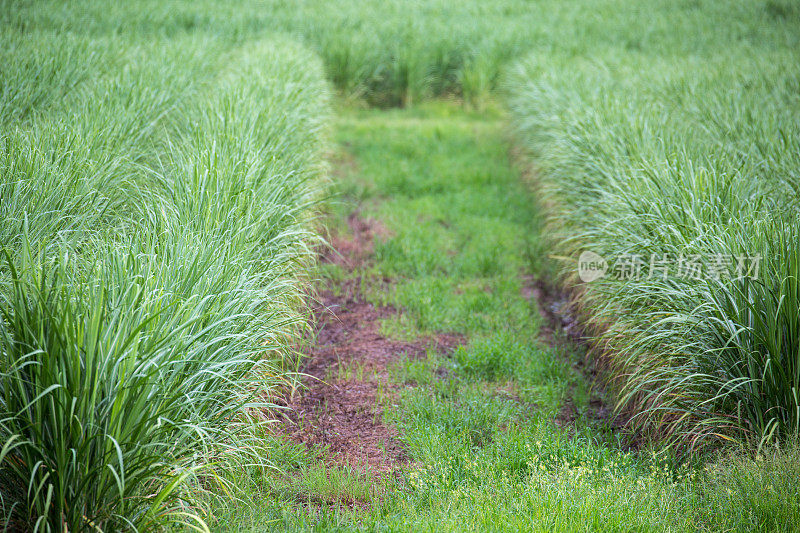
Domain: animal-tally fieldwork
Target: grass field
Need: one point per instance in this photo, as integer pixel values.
(165, 187)
(481, 425)
(401, 51)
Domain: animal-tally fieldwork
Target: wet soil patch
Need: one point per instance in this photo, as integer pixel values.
(346, 370)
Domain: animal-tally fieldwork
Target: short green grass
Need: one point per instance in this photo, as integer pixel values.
(479, 424)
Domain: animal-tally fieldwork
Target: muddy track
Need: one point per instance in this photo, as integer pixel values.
(338, 410)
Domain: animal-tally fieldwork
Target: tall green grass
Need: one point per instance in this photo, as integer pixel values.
(397, 52)
(156, 199)
(392, 53)
(681, 147)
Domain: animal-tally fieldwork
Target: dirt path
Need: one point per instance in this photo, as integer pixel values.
(508, 432)
(456, 257)
(347, 369)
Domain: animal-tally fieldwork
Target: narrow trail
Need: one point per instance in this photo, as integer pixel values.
(447, 387)
(347, 368)
(436, 340)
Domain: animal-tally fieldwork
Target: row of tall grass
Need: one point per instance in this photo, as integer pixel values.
(155, 204)
(391, 53)
(685, 145)
(397, 52)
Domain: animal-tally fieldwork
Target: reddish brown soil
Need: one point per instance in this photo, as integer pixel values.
(352, 251)
(347, 370)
